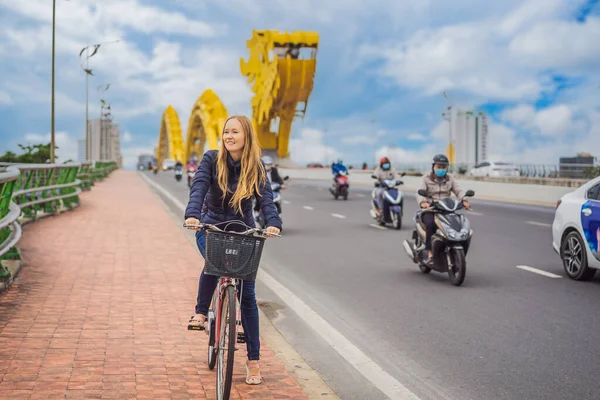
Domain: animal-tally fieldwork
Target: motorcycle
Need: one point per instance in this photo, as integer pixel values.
(178, 174)
(155, 169)
(276, 188)
(190, 176)
(393, 202)
(449, 244)
(341, 186)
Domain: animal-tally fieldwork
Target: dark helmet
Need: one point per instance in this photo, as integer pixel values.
(441, 159)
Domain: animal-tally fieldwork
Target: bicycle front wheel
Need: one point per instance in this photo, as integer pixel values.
(227, 342)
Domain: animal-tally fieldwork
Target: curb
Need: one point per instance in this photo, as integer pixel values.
(307, 378)
(488, 198)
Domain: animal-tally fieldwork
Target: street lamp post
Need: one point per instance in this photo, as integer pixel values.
(52, 139)
(88, 72)
(448, 114)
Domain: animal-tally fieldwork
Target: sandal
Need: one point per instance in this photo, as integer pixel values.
(196, 322)
(253, 376)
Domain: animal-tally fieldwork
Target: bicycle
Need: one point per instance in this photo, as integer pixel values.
(234, 257)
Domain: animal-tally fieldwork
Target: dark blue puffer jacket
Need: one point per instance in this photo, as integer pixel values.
(206, 197)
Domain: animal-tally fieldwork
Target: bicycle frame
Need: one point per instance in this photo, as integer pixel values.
(219, 294)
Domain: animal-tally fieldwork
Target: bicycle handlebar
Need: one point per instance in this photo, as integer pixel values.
(204, 226)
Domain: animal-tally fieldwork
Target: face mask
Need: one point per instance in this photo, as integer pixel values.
(440, 172)
(386, 166)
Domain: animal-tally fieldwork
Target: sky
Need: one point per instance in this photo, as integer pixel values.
(382, 66)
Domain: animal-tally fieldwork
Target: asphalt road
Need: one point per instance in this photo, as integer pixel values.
(506, 333)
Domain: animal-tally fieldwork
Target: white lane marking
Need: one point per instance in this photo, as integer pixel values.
(473, 213)
(538, 271)
(168, 195)
(538, 223)
(287, 202)
(309, 208)
(340, 216)
(359, 360)
(383, 228)
(360, 195)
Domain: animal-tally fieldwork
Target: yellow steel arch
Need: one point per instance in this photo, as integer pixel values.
(170, 141)
(206, 124)
(281, 69)
(283, 78)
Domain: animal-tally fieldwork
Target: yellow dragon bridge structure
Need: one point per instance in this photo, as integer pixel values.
(280, 69)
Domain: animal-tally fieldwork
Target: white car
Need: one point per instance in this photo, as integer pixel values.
(576, 230)
(495, 169)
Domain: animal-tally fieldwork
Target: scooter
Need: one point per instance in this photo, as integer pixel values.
(259, 217)
(393, 202)
(449, 244)
(190, 176)
(341, 186)
(155, 169)
(178, 174)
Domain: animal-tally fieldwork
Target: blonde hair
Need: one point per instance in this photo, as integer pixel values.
(252, 172)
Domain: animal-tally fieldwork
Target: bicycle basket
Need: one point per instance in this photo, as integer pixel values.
(233, 255)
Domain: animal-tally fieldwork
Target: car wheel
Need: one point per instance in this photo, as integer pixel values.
(574, 256)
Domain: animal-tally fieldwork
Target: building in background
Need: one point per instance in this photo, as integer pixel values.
(81, 150)
(105, 141)
(469, 132)
(575, 167)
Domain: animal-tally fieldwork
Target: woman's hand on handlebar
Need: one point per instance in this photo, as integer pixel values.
(192, 221)
(466, 204)
(272, 229)
(425, 204)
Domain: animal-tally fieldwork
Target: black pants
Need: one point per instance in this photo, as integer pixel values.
(429, 222)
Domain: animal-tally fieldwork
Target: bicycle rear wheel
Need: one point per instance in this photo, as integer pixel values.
(227, 342)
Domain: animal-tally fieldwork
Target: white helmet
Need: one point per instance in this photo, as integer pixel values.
(268, 161)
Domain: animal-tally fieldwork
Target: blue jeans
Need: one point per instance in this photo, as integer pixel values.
(206, 289)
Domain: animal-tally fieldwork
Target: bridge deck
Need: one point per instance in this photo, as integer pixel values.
(100, 308)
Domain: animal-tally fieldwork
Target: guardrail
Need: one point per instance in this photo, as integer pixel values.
(29, 189)
(550, 171)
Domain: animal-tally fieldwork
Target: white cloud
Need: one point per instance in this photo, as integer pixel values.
(417, 137)
(127, 138)
(309, 148)
(400, 156)
(5, 98)
(495, 57)
(66, 145)
(522, 114)
(359, 140)
(554, 121)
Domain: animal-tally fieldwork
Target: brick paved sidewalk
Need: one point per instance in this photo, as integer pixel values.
(100, 308)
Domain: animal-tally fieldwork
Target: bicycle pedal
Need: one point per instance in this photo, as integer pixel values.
(196, 328)
(241, 338)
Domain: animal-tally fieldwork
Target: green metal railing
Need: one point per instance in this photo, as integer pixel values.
(10, 231)
(26, 190)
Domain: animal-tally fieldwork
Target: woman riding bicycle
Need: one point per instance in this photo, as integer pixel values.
(225, 183)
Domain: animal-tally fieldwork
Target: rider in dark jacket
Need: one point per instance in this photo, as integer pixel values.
(213, 210)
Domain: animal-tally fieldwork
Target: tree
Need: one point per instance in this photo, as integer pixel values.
(33, 154)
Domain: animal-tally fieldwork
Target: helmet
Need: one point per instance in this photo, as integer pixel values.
(441, 159)
(384, 163)
(268, 161)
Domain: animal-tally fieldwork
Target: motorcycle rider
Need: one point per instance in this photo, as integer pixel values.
(178, 165)
(439, 185)
(384, 171)
(336, 168)
(272, 175)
